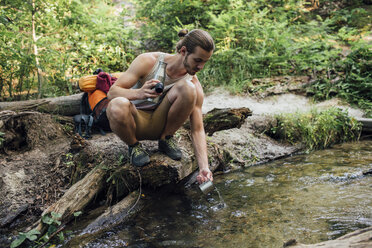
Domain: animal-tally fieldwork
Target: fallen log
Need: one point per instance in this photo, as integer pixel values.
(77, 197)
(120, 212)
(366, 124)
(223, 119)
(64, 105)
(357, 239)
(215, 120)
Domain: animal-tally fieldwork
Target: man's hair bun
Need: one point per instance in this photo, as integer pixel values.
(182, 33)
(194, 38)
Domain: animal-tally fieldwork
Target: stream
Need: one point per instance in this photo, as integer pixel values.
(311, 198)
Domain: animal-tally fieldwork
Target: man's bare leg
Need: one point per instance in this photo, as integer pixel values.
(182, 97)
(120, 114)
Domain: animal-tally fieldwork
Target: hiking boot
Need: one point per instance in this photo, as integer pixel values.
(138, 156)
(169, 147)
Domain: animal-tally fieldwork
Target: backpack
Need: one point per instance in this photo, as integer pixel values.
(93, 104)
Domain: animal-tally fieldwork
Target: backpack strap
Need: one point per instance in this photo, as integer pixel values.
(84, 105)
(99, 115)
(87, 121)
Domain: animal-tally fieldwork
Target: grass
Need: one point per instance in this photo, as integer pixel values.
(316, 129)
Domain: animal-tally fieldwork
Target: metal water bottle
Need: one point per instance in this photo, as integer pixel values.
(206, 187)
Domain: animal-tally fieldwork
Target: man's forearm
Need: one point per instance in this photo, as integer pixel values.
(200, 148)
(116, 91)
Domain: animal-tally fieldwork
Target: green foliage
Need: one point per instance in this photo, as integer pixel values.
(316, 129)
(163, 19)
(52, 221)
(254, 39)
(257, 39)
(350, 17)
(77, 214)
(30, 235)
(351, 79)
(73, 38)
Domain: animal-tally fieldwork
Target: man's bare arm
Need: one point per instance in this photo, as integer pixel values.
(198, 136)
(139, 68)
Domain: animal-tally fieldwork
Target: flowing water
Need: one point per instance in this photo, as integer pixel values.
(310, 198)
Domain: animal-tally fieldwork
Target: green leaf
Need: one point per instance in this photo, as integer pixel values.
(47, 220)
(34, 232)
(18, 241)
(56, 217)
(61, 236)
(46, 237)
(52, 229)
(76, 214)
(32, 237)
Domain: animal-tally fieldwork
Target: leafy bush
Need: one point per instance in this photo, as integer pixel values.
(351, 79)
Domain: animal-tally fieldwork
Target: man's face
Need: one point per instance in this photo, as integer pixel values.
(195, 61)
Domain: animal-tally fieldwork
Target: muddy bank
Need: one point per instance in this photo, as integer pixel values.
(30, 163)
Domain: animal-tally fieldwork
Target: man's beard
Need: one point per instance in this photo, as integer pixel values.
(187, 66)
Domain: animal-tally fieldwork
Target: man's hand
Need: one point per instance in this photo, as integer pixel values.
(204, 175)
(147, 89)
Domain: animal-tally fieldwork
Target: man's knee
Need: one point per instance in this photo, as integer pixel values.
(118, 109)
(185, 90)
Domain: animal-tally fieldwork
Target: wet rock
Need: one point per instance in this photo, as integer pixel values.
(261, 123)
(246, 146)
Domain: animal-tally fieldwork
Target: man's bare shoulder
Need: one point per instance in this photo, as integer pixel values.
(144, 62)
(148, 57)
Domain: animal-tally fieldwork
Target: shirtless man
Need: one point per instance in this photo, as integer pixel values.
(182, 98)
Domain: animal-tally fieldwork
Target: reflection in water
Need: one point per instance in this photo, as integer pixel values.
(311, 198)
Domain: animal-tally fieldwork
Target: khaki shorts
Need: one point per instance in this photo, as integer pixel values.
(151, 123)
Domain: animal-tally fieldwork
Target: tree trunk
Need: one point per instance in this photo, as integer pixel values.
(214, 120)
(64, 105)
(34, 39)
(366, 124)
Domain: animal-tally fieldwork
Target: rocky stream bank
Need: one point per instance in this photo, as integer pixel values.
(46, 168)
